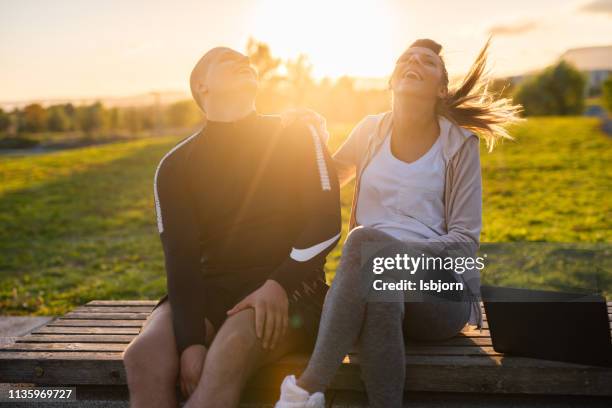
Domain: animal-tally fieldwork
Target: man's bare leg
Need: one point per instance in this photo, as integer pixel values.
(234, 355)
(151, 362)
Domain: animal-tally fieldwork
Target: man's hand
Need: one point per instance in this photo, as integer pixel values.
(271, 312)
(308, 116)
(192, 363)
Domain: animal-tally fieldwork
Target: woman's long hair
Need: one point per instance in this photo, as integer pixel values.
(471, 105)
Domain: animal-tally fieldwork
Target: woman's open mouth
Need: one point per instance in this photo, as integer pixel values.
(410, 74)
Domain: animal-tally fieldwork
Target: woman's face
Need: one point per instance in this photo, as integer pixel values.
(418, 72)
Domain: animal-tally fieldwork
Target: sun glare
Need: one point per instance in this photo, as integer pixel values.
(338, 37)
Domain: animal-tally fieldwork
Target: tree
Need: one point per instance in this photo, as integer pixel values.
(131, 120)
(113, 118)
(34, 118)
(147, 117)
(261, 57)
(299, 77)
(70, 111)
(5, 120)
(57, 120)
(182, 114)
(90, 118)
(607, 92)
(558, 90)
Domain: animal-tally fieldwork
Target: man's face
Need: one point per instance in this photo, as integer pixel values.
(231, 72)
(418, 72)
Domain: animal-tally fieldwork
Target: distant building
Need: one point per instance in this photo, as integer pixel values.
(595, 62)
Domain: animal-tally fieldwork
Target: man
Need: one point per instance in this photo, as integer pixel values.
(247, 211)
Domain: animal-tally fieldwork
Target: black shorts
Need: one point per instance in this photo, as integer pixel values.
(221, 294)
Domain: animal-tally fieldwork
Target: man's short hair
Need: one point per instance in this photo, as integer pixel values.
(201, 70)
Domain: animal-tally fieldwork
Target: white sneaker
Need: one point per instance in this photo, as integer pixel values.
(293, 396)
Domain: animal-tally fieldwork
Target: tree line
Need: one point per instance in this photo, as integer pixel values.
(95, 118)
(556, 90)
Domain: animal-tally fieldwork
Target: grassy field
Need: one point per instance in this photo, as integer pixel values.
(79, 225)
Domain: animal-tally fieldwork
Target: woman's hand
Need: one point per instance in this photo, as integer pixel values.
(308, 116)
(191, 365)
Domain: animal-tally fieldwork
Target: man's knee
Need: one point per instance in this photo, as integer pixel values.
(240, 342)
(144, 356)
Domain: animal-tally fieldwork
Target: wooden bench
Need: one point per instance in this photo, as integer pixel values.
(84, 348)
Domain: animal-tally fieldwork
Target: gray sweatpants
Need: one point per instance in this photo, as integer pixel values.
(378, 328)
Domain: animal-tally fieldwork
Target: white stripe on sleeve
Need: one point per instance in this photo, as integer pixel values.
(160, 223)
(303, 255)
(323, 174)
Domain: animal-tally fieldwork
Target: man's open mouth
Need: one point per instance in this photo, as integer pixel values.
(244, 70)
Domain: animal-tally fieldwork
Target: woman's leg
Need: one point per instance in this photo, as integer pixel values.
(438, 318)
(382, 340)
(343, 313)
(381, 353)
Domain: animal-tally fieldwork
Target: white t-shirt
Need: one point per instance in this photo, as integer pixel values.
(405, 200)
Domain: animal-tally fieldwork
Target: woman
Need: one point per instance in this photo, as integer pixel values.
(418, 179)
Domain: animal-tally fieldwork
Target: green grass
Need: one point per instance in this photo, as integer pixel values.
(80, 225)
(551, 184)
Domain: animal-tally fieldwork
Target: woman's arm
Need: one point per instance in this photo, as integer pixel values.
(464, 210)
(347, 157)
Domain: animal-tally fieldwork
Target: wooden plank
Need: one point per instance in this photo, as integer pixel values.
(479, 374)
(103, 347)
(424, 373)
(96, 323)
(609, 311)
(99, 346)
(413, 350)
(484, 316)
(115, 333)
(485, 325)
(455, 341)
(61, 368)
(356, 399)
(122, 303)
(113, 309)
(106, 316)
(61, 322)
(61, 353)
(76, 338)
(476, 333)
(109, 327)
(126, 338)
(461, 374)
(86, 330)
(13, 356)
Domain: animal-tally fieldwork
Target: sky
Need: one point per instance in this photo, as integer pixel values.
(86, 48)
